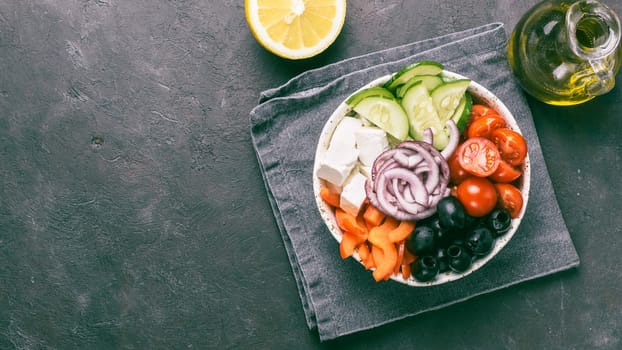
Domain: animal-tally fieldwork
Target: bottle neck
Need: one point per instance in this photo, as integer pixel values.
(593, 29)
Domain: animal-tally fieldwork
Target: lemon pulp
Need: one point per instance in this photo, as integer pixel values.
(295, 29)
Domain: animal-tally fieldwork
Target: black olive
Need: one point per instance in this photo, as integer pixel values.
(459, 258)
(432, 222)
(425, 268)
(422, 241)
(480, 241)
(499, 221)
(445, 237)
(443, 260)
(451, 213)
(459, 242)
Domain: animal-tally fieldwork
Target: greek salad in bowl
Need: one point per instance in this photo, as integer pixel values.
(422, 176)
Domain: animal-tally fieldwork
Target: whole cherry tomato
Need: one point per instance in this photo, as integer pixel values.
(478, 196)
(505, 173)
(478, 156)
(510, 198)
(484, 125)
(512, 145)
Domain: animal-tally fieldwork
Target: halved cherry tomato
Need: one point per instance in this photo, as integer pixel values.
(511, 145)
(478, 111)
(456, 172)
(485, 125)
(505, 173)
(510, 198)
(478, 196)
(478, 156)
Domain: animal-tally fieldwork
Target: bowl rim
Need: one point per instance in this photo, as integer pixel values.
(480, 94)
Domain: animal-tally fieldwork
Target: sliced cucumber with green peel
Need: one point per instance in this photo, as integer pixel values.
(463, 111)
(429, 81)
(422, 115)
(369, 92)
(418, 68)
(413, 100)
(446, 97)
(386, 113)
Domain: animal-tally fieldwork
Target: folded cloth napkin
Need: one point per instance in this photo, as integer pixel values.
(339, 296)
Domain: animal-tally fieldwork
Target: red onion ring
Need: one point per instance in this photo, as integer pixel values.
(454, 139)
(408, 181)
(428, 136)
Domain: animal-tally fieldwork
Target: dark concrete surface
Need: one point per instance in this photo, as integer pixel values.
(132, 210)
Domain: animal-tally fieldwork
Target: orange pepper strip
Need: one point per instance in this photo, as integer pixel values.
(400, 257)
(369, 226)
(402, 232)
(363, 250)
(376, 255)
(361, 223)
(406, 271)
(350, 223)
(349, 242)
(365, 255)
(331, 198)
(408, 259)
(379, 237)
(391, 222)
(373, 216)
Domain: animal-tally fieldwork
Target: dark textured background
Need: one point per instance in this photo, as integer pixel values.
(132, 210)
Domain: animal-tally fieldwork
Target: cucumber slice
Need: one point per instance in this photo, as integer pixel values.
(418, 68)
(463, 111)
(386, 113)
(429, 81)
(422, 115)
(369, 92)
(446, 97)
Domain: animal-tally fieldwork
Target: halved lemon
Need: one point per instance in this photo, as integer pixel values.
(295, 29)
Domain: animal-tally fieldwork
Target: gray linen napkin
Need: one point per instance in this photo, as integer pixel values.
(336, 294)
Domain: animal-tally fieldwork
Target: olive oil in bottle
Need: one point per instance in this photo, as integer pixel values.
(566, 52)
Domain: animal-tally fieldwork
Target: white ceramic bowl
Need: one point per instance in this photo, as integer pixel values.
(480, 95)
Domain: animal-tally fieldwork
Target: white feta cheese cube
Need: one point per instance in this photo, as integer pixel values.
(370, 142)
(342, 155)
(353, 194)
(335, 167)
(343, 136)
